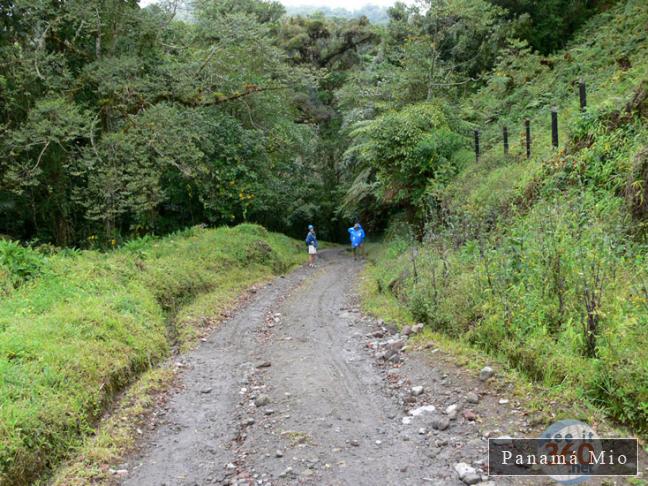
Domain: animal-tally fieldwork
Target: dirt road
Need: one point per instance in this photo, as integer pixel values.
(291, 391)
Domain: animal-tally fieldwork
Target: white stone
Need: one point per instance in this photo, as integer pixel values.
(422, 410)
(464, 469)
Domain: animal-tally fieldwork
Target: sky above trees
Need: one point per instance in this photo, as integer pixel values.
(348, 4)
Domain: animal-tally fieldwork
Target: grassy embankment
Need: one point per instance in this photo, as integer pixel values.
(543, 264)
(79, 326)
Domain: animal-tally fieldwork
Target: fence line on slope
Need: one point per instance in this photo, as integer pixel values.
(555, 138)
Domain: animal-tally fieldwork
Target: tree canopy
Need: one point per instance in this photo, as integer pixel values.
(118, 120)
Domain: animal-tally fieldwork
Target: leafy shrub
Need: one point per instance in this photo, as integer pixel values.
(548, 24)
(636, 190)
(557, 291)
(252, 229)
(405, 151)
(6, 282)
(621, 384)
(20, 262)
(138, 245)
(542, 262)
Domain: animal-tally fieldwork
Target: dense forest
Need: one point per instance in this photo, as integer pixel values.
(120, 121)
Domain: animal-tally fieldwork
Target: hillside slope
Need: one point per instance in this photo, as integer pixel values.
(82, 325)
(543, 262)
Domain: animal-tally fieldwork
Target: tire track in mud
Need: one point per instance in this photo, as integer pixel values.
(291, 391)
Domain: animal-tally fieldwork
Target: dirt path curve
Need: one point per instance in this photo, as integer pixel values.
(289, 391)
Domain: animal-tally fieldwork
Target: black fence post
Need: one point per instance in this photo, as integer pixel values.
(506, 141)
(477, 153)
(582, 91)
(554, 128)
(527, 125)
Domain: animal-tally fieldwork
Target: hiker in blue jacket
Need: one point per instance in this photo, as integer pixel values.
(356, 235)
(362, 243)
(311, 243)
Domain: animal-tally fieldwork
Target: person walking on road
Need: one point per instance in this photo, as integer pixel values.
(362, 247)
(311, 243)
(356, 235)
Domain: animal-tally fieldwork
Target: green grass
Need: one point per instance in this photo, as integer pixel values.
(374, 299)
(81, 330)
(609, 53)
(116, 435)
(528, 85)
(524, 247)
(519, 294)
(545, 403)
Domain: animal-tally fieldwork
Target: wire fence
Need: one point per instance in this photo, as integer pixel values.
(528, 141)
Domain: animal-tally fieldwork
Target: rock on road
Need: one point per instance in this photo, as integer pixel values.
(290, 391)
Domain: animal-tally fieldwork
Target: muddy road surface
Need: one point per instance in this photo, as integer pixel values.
(300, 388)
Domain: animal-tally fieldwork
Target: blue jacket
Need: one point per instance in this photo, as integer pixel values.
(362, 232)
(356, 236)
(311, 239)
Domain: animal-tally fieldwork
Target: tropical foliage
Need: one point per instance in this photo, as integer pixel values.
(121, 124)
(542, 262)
